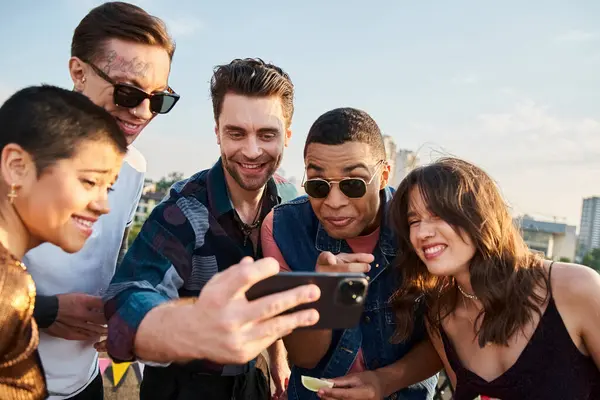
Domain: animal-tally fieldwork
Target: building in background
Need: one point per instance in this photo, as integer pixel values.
(390, 154)
(148, 201)
(406, 161)
(589, 227)
(557, 241)
(401, 161)
(149, 186)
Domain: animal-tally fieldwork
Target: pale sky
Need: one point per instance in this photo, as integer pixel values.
(513, 86)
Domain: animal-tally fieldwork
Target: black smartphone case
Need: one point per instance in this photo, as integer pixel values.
(337, 308)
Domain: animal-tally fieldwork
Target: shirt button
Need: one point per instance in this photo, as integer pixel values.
(367, 319)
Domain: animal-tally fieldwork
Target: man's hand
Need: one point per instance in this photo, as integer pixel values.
(100, 346)
(360, 386)
(280, 369)
(235, 330)
(80, 317)
(344, 262)
(280, 373)
(222, 325)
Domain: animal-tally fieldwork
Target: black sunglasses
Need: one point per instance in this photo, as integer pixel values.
(129, 96)
(353, 188)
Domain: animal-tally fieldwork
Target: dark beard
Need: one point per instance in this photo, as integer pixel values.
(254, 185)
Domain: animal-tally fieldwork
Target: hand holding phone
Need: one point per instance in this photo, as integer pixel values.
(342, 295)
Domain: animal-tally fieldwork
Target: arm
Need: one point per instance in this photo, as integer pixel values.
(296, 343)
(152, 272)
(277, 352)
(438, 345)
(221, 325)
(306, 349)
(577, 295)
(419, 364)
(16, 325)
(279, 367)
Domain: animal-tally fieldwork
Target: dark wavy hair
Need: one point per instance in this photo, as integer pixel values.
(504, 272)
(252, 77)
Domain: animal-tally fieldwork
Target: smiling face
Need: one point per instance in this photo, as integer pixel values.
(62, 204)
(444, 250)
(344, 217)
(144, 66)
(252, 134)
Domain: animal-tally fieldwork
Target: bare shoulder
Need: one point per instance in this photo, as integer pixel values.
(574, 284)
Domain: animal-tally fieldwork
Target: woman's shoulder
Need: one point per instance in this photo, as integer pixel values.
(17, 300)
(576, 291)
(573, 280)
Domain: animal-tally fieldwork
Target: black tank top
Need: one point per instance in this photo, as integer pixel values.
(550, 367)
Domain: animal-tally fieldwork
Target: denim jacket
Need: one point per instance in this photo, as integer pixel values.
(301, 238)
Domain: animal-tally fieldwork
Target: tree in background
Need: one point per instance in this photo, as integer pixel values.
(133, 232)
(162, 187)
(592, 259)
(165, 183)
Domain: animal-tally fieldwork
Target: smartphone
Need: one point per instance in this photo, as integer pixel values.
(342, 295)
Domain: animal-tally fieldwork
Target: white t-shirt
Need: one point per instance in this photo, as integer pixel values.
(70, 365)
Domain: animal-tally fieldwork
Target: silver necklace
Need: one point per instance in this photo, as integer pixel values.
(467, 295)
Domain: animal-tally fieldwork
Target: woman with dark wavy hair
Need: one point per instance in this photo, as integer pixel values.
(506, 323)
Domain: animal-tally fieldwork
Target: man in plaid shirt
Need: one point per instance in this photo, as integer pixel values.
(208, 223)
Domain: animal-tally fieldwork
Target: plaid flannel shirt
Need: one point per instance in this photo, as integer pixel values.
(190, 236)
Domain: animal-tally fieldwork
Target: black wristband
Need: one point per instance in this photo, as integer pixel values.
(45, 310)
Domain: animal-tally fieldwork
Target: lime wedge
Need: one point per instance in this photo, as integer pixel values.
(314, 384)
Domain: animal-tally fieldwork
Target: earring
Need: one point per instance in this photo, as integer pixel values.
(13, 193)
(134, 111)
(83, 80)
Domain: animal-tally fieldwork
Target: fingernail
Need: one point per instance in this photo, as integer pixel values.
(314, 293)
(313, 317)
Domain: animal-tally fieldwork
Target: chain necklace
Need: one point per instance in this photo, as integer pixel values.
(467, 295)
(248, 228)
(472, 297)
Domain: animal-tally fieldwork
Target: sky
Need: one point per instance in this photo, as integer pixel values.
(512, 86)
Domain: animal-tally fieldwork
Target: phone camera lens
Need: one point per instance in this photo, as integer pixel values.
(351, 292)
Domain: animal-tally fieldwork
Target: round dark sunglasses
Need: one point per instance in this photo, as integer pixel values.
(353, 188)
(130, 96)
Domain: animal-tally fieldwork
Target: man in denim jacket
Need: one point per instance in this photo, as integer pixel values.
(342, 226)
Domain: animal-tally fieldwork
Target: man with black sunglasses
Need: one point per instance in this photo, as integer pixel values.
(341, 226)
(121, 59)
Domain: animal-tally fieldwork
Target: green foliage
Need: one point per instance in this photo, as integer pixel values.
(165, 183)
(592, 259)
(133, 232)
